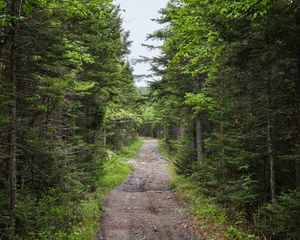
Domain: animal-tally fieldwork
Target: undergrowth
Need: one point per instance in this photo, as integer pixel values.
(74, 216)
(211, 218)
(116, 170)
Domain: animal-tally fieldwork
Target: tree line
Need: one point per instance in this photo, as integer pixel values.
(63, 71)
(228, 106)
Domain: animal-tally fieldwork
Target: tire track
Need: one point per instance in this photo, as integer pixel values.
(144, 208)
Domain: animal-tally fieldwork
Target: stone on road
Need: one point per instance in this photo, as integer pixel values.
(144, 208)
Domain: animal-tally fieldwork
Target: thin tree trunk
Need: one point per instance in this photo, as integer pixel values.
(297, 90)
(13, 136)
(104, 136)
(178, 131)
(270, 146)
(15, 11)
(2, 41)
(199, 139)
(181, 130)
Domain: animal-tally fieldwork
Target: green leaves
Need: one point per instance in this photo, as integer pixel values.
(199, 41)
(200, 103)
(118, 114)
(77, 54)
(250, 8)
(70, 67)
(83, 88)
(227, 73)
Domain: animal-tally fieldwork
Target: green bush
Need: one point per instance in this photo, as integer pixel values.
(71, 212)
(233, 233)
(280, 220)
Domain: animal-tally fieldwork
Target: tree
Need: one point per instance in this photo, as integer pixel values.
(232, 65)
(63, 65)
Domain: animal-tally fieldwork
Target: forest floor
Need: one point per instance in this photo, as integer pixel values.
(144, 208)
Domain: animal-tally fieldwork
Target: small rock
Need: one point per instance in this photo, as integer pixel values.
(189, 238)
(169, 197)
(110, 153)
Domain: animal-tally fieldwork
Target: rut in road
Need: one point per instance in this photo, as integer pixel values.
(144, 208)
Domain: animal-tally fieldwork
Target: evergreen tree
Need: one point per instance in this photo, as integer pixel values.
(229, 77)
(62, 66)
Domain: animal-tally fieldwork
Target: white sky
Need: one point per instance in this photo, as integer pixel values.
(137, 17)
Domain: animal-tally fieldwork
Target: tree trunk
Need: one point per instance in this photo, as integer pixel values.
(13, 157)
(178, 131)
(15, 11)
(13, 136)
(2, 41)
(297, 90)
(181, 130)
(199, 139)
(270, 146)
(104, 136)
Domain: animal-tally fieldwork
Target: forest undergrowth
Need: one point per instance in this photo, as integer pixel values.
(212, 221)
(224, 96)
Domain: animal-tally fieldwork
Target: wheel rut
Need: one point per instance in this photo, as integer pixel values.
(144, 208)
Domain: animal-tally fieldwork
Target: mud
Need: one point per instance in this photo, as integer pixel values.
(144, 208)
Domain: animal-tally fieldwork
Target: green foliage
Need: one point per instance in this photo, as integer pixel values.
(280, 218)
(149, 116)
(70, 75)
(116, 171)
(62, 215)
(211, 218)
(151, 122)
(131, 151)
(200, 102)
(47, 218)
(228, 105)
(185, 155)
(234, 234)
(115, 114)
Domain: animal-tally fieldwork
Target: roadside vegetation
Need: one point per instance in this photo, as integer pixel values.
(63, 71)
(227, 108)
(211, 218)
(115, 171)
(226, 104)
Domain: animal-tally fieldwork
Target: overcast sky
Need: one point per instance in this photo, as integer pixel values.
(137, 17)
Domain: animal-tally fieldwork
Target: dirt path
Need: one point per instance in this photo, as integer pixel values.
(143, 208)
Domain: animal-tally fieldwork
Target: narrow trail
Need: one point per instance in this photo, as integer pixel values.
(144, 208)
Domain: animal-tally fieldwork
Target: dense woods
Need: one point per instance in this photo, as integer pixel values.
(228, 104)
(63, 71)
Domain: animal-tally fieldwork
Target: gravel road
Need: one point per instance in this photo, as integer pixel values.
(144, 208)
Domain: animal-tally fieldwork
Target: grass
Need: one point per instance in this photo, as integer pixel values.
(211, 219)
(116, 170)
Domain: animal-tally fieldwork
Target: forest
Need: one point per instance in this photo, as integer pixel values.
(226, 108)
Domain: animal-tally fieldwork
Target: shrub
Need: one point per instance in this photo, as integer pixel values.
(280, 220)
